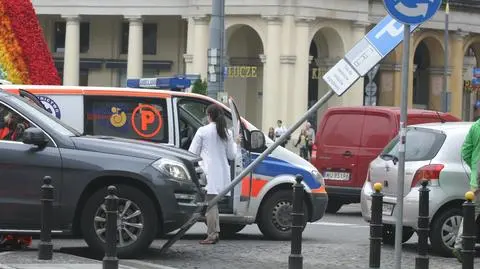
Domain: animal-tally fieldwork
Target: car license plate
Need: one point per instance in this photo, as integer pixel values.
(344, 176)
(387, 209)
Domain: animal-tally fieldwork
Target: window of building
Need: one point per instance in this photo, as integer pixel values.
(149, 38)
(60, 35)
(82, 80)
(123, 116)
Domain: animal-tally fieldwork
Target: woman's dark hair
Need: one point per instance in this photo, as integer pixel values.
(216, 115)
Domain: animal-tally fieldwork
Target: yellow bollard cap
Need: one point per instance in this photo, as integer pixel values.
(470, 196)
(377, 186)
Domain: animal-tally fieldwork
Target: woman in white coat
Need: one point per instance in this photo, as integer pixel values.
(215, 144)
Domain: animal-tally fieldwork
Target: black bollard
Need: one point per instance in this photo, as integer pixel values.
(469, 236)
(376, 227)
(295, 260)
(422, 259)
(45, 247)
(110, 261)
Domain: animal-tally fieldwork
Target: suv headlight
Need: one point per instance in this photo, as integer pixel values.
(318, 177)
(172, 168)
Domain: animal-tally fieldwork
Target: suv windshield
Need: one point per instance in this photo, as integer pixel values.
(44, 116)
(422, 145)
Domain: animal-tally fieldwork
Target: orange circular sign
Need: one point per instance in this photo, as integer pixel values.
(148, 116)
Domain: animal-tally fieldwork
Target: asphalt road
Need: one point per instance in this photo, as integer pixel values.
(337, 241)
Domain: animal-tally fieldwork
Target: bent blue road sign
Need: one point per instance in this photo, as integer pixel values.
(370, 50)
(387, 34)
(412, 11)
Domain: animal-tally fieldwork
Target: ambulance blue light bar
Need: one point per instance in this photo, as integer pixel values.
(161, 83)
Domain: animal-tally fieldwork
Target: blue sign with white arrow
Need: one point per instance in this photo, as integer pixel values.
(412, 11)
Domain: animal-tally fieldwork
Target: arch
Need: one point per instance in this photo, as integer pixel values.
(433, 39)
(326, 45)
(244, 79)
(474, 42)
(428, 57)
(232, 26)
(328, 41)
(434, 46)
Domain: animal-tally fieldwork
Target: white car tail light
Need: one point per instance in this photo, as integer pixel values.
(429, 172)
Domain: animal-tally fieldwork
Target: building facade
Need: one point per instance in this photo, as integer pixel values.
(277, 50)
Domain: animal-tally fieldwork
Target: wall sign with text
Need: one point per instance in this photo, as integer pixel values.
(241, 71)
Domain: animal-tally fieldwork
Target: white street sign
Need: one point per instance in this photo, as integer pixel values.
(340, 77)
(363, 56)
(367, 53)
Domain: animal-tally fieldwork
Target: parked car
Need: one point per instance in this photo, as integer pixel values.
(432, 153)
(264, 197)
(349, 138)
(159, 186)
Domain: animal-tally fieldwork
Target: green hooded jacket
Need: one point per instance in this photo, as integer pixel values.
(471, 152)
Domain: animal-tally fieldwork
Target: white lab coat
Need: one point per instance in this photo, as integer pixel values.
(214, 152)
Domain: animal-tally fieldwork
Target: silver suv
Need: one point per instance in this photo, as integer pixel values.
(433, 153)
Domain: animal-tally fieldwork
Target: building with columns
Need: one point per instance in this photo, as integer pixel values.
(277, 50)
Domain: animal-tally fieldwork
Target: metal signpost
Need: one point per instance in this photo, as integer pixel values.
(408, 12)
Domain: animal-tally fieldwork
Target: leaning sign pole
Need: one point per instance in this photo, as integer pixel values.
(408, 12)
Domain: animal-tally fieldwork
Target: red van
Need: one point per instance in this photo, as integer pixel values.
(349, 138)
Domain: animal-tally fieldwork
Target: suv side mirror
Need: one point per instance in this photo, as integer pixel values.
(257, 141)
(34, 136)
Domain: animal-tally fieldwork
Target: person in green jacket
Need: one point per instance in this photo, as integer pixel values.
(471, 156)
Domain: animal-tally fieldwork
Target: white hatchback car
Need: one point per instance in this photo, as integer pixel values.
(433, 152)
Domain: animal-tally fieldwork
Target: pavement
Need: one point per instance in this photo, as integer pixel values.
(337, 241)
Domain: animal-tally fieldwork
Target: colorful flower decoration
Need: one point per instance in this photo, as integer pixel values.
(24, 54)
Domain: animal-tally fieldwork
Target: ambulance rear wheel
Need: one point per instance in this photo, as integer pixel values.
(228, 230)
(274, 220)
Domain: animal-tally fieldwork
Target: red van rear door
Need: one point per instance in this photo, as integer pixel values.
(339, 144)
(378, 129)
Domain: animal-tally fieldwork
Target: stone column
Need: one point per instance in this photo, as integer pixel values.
(200, 51)
(388, 84)
(265, 124)
(456, 78)
(135, 47)
(299, 102)
(355, 95)
(436, 87)
(71, 65)
(271, 90)
(188, 56)
(287, 65)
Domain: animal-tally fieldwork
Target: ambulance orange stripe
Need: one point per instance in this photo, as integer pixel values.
(319, 190)
(256, 187)
(96, 92)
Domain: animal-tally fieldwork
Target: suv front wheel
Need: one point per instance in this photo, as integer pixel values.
(136, 224)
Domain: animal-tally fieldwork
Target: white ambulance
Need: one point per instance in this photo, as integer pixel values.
(263, 198)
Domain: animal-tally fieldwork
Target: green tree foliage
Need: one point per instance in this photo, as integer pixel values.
(200, 87)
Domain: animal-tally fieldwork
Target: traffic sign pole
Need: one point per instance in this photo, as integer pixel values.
(402, 147)
(410, 13)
